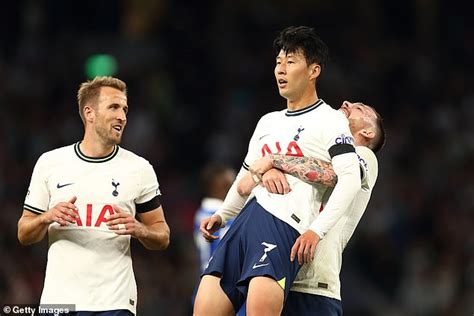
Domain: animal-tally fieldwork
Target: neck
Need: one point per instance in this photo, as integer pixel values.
(92, 146)
(303, 101)
(360, 140)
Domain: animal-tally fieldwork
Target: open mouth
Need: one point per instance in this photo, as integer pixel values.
(282, 83)
(118, 128)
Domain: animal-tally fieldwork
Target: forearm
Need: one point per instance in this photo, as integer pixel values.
(307, 169)
(349, 183)
(156, 236)
(233, 202)
(246, 185)
(32, 229)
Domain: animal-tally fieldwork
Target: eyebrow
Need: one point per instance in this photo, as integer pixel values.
(288, 55)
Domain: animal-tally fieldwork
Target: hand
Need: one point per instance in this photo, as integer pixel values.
(209, 226)
(123, 223)
(305, 247)
(62, 213)
(262, 165)
(275, 182)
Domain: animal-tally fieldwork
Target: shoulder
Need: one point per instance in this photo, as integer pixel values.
(333, 114)
(272, 115)
(366, 154)
(132, 158)
(369, 163)
(269, 119)
(335, 127)
(57, 154)
(331, 118)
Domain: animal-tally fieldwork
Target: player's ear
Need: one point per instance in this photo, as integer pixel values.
(314, 71)
(367, 133)
(89, 113)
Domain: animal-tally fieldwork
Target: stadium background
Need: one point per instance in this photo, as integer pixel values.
(201, 73)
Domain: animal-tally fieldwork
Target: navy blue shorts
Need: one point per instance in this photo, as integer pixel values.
(257, 244)
(302, 304)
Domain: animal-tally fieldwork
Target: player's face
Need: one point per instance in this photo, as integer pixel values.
(111, 115)
(360, 116)
(292, 75)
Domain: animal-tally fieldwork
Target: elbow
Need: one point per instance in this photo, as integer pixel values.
(25, 242)
(241, 190)
(22, 238)
(28, 231)
(165, 242)
(162, 243)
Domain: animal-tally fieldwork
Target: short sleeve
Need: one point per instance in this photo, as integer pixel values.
(38, 195)
(148, 198)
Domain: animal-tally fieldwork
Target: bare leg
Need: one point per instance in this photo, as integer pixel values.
(211, 299)
(265, 297)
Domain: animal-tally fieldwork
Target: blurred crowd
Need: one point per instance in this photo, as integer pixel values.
(199, 76)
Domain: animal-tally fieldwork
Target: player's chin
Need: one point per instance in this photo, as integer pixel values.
(284, 92)
(115, 139)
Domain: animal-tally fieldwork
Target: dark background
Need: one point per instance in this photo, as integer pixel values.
(200, 74)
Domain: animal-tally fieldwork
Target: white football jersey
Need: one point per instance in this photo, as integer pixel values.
(309, 132)
(321, 276)
(88, 264)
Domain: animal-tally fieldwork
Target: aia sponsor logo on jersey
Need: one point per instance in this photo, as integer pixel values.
(291, 150)
(94, 218)
(344, 139)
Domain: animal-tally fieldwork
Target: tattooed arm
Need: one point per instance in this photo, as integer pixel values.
(307, 169)
(310, 170)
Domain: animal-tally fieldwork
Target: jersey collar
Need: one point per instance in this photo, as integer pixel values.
(82, 156)
(304, 110)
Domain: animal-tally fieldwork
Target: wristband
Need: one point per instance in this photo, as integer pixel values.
(257, 178)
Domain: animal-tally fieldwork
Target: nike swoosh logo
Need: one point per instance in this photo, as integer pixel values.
(263, 136)
(59, 186)
(255, 266)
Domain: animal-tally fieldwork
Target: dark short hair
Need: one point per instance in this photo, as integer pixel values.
(379, 140)
(302, 38)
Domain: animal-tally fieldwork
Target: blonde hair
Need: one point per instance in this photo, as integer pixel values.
(89, 91)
